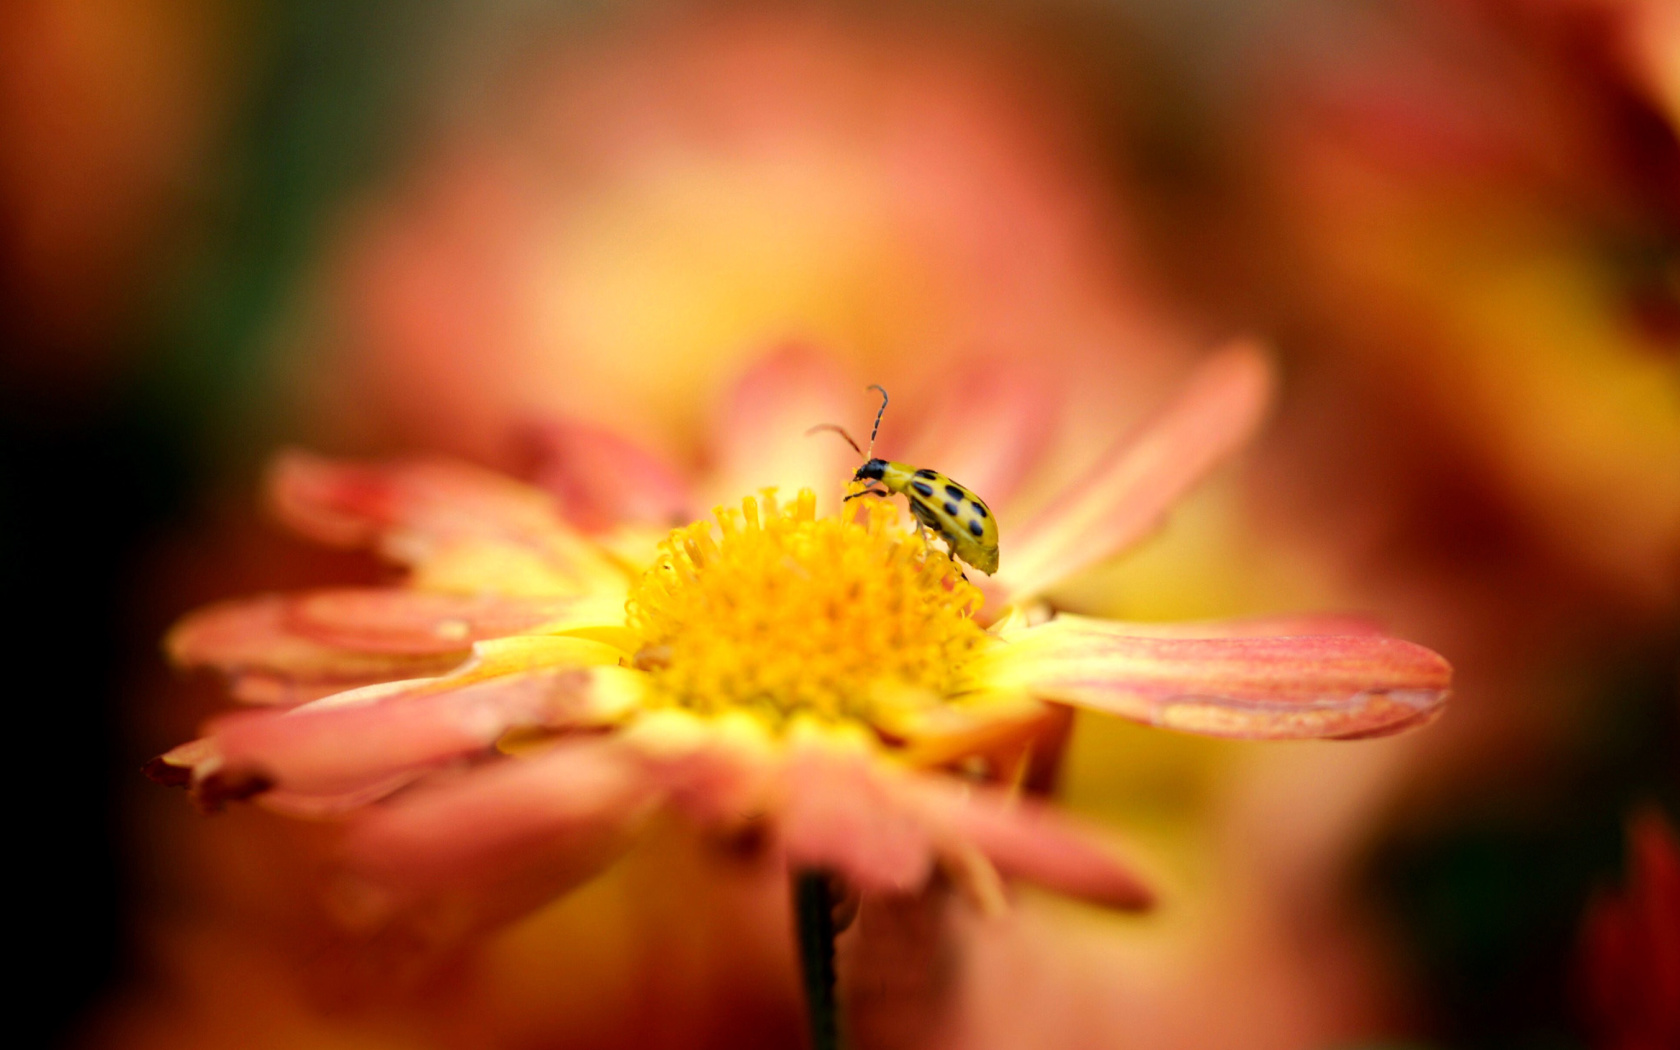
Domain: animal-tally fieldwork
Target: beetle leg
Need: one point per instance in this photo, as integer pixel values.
(951, 550)
(865, 492)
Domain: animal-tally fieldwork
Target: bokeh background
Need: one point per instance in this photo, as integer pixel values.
(373, 226)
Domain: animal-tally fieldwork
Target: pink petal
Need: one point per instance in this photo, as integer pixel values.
(1030, 841)
(1251, 626)
(331, 750)
(1255, 688)
(1128, 493)
(762, 438)
(844, 812)
(988, 430)
(180, 765)
(600, 479)
(412, 509)
(255, 643)
(847, 811)
(351, 504)
(315, 806)
(262, 689)
(1423, 717)
(562, 807)
(714, 784)
(395, 620)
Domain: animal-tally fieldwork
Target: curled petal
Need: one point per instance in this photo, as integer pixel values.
(316, 750)
(1027, 840)
(178, 766)
(988, 430)
(290, 649)
(1126, 495)
(762, 438)
(312, 805)
(344, 750)
(197, 765)
(509, 535)
(555, 810)
(255, 643)
(1246, 687)
(1422, 717)
(601, 480)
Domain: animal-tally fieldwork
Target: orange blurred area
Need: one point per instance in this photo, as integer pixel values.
(381, 229)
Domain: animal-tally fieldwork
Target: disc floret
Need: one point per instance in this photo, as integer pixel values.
(774, 610)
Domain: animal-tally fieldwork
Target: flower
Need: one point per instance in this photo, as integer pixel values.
(497, 726)
(1478, 182)
(901, 190)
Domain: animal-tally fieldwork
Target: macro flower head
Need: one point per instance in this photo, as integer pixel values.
(560, 662)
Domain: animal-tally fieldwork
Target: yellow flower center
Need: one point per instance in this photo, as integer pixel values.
(779, 612)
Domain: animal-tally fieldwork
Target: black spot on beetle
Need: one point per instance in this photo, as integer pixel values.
(923, 487)
(951, 508)
(955, 492)
(979, 508)
(926, 473)
(976, 528)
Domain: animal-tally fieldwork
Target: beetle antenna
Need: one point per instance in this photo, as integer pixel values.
(878, 414)
(838, 430)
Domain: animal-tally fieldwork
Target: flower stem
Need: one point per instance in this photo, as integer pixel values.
(813, 904)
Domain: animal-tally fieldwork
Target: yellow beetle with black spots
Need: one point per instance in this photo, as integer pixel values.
(952, 512)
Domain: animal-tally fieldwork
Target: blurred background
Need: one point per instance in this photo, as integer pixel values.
(374, 226)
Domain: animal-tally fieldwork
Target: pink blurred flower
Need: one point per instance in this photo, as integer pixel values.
(616, 229)
(494, 730)
(1486, 208)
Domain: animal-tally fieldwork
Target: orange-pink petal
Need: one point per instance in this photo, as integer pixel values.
(341, 748)
(842, 813)
(565, 808)
(254, 642)
(346, 503)
(845, 810)
(415, 510)
(600, 479)
(1127, 494)
(1248, 687)
(1287, 625)
(840, 807)
(988, 428)
(761, 433)
(1027, 840)
(395, 620)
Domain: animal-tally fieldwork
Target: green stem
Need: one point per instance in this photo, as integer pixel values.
(813, 904)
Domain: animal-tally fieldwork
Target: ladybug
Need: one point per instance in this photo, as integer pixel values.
(951, 511)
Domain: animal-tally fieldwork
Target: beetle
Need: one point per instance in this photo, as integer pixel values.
(953, 512)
